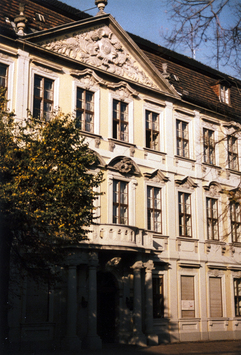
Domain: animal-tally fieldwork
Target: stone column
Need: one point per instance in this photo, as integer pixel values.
(93, 340)
(152, 338)
(139, 337)
(71, 340)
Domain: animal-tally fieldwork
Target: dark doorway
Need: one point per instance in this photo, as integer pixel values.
(106, 306)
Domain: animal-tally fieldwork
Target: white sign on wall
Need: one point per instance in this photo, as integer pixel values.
(188, 305)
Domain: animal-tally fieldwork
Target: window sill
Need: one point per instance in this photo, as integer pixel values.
(119, 142)
(152, 151)
(212, 241)
(184, 158)
(189, 239)
(89, 134)
(237, 172)
(206, 165)
(236, 244)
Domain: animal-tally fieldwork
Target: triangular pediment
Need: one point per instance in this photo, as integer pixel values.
(100, 43)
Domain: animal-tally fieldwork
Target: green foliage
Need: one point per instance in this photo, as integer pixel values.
(47, 191)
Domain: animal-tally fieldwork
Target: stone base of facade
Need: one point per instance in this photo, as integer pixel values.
(152, 339)
(71, 343)
(93, 342)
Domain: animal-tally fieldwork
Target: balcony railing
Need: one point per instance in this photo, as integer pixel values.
(120, 235)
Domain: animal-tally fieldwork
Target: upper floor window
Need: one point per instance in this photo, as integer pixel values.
(152, 130)
(232, 152)
(154, 209)
(3, 75)
(120, 120)
(85, 110)
(184, 206)
(43, 97)
(235, 214)
(208, 146)
(182, 139)
(120, 202)
(212, 218)
(224, 94)
(237, 297)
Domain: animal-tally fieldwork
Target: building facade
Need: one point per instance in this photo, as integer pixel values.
(163, 260)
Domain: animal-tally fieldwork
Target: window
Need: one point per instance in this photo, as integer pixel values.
(37, 310)
(235, 214)
(152, 130)
(184, 205)
(158, 297)
(232, 152)
(212, 218)
(237, 297)
(154, 209)
(3, 79)
(182, 139)
(215, 291)
(209, 146)
(3, 75)
(85, 110)
(224, 94)
(120, 202)
(120, 120)
(187, 296)
(43, 97)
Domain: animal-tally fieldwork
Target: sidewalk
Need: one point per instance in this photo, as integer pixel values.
(232, 347)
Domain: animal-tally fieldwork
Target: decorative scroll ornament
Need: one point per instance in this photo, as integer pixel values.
(124, 165)
(102, 49)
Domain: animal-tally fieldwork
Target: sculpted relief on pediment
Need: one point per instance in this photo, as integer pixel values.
(102, 49)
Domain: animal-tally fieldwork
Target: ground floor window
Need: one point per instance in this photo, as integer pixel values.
(237, 297)
(158, 297)
(215, 291)
(187, 296)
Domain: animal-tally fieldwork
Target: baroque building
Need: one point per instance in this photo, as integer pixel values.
(163, 260)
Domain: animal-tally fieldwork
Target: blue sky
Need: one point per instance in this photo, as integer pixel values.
(145, 18)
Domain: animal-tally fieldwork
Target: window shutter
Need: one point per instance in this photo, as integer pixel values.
(215, 297)
(187, 294)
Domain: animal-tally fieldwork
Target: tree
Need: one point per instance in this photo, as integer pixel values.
(47, 194)
(198, 22)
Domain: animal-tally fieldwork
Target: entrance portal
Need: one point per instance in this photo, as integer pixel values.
(107, 304)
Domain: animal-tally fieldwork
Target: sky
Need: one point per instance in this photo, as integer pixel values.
(145, 18)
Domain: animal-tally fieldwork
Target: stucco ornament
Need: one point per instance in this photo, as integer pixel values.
(124, 166)
(100, 48)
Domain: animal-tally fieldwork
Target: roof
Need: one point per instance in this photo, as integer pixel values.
(54, 13)
(193, 80)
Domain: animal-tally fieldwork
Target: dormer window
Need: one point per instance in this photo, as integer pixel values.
(224, 94)
(222, 89)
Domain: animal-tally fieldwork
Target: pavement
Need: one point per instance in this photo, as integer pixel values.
(231, 347)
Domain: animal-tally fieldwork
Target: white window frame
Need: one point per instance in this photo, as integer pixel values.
(95, 89)
(223, 290)
(130, 102)
(195, 274)
(220, 223)
(215, 129)
(161, 186)
(159, 110)
(48, 75)
(234, 275)
(10, 64)
(132, 182)
(191, 134)
(192, 193)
